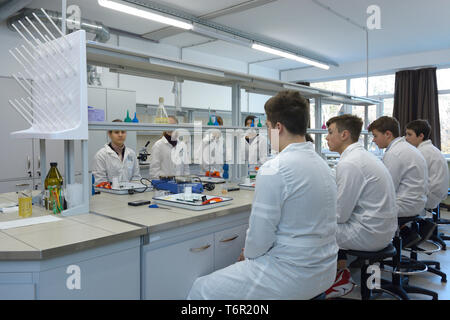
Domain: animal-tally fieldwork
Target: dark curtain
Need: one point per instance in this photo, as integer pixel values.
(416, 97)
(304, 83)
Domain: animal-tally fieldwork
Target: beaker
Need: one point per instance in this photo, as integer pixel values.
(24, 198)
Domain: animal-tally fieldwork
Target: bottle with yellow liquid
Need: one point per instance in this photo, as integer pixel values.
(25, 200)
(161, 114)
(53, 185)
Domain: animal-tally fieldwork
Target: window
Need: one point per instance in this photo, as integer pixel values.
(336, 86)
(378, 85)
(444, 117)
(443, 79)
(388, 108)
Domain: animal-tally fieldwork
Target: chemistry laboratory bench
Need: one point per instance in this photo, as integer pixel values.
(122, 252)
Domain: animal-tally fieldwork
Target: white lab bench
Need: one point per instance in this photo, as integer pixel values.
(123, 252)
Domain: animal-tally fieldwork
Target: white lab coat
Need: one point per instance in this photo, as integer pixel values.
(255, 151)
(410, 176)
(290, 248)
(437, 174)
(108, 165)
(212, 152)
(366, 213)
(167, 161)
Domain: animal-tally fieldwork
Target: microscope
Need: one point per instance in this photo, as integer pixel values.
(143, 154)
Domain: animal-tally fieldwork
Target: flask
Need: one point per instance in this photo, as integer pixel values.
(161, 114)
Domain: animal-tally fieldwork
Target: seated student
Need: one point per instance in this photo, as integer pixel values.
(162, 162)
(290, 249)
(366, 214)
(115, 160)
(408, 170)
(418, 134)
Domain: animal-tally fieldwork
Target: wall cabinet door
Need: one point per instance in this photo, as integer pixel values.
(228, 245)
(97, 139)
(118, 103)
(16, 157)
(169, 272)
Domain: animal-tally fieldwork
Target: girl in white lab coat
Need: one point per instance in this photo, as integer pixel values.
(116, 160)
(290, 249)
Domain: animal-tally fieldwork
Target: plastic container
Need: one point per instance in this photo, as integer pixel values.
(127, 119)
(24, 198)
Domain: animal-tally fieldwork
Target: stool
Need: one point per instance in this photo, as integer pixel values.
(439, 237)
(432, 266)
(397, 286)
(368, 258)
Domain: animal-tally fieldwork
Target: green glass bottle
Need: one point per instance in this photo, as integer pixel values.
(53, 183)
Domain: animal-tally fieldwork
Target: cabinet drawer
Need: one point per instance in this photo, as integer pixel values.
(228, 245)
(112, 276)
(169, 272)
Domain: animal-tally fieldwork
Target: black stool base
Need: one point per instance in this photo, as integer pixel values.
(403, 290)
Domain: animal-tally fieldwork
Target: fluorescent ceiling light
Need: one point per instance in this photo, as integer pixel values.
(291, 56)
(144, 14)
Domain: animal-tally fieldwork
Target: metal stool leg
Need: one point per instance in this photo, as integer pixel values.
(412, 289)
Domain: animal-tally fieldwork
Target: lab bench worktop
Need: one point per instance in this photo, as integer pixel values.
(111, 220)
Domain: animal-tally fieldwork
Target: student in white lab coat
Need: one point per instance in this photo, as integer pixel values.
(255, 143)
(116, 160)
(212, 150)
(290, 249)
(366, 214)
(407, 167)
(168, 158)
(418, 134)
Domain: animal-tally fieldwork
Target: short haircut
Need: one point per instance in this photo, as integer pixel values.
(249, 118)
(309, 138)
(384, 124)
(219, 120)
(420, 126)
(174, 118)
(348, 122)
(290, 109)
(115, 120)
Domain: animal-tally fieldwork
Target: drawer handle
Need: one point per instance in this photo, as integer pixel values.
(230, 239)
(200, 249)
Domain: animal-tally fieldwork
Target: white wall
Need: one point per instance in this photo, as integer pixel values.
(440, 58)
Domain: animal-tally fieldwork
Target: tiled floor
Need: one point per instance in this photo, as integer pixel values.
(425, 280)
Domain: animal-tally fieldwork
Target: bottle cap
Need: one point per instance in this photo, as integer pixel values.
(53, 164)
(161, 100)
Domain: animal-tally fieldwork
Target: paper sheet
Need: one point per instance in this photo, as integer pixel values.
(27, 222)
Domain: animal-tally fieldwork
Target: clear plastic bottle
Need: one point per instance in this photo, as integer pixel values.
(161, 114)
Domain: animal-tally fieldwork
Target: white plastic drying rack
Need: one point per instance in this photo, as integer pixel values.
(54, 78)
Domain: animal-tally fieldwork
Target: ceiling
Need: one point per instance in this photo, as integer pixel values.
(408, 26)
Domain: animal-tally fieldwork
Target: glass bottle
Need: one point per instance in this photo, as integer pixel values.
(53, 186)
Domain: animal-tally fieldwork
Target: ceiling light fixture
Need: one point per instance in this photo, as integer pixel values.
(291, 56)
(144, 14)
